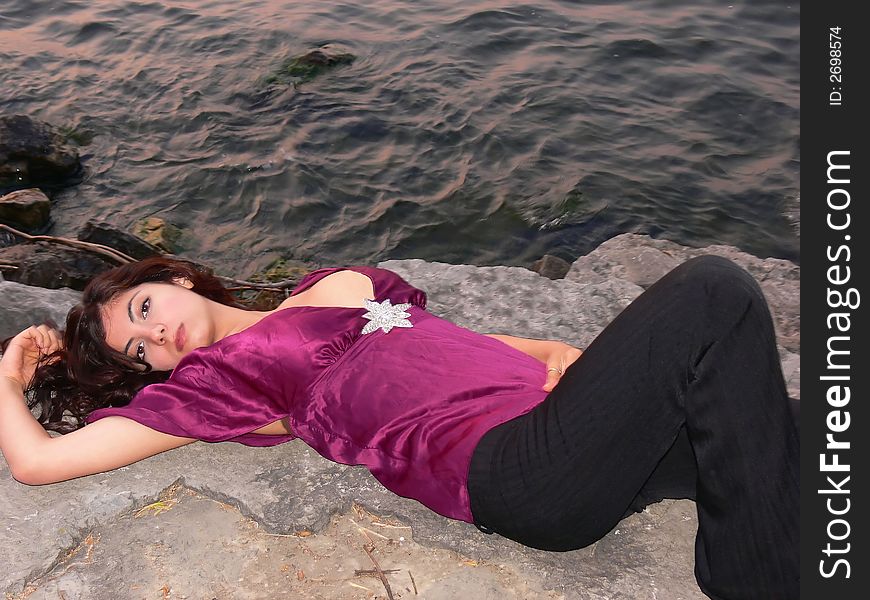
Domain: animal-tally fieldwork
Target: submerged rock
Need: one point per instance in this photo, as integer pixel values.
(303, 68)
(35, 153)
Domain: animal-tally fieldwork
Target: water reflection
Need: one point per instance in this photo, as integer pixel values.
(478, 132)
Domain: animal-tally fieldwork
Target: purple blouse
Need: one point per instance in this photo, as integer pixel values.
(410, 404)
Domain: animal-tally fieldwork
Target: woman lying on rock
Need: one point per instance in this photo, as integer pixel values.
(681, 396)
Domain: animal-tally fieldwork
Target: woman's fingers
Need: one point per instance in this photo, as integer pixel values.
(40, 338)
(41, 335)
(46, 338)
(558, 364)
(552, 380)
(25, 351)
(56, 341)
(29, 336)
(36, 336)
(554, 373)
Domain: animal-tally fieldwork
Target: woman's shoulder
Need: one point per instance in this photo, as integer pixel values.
(347, 286)
(334, 287)
(340, 280)
(349, 272)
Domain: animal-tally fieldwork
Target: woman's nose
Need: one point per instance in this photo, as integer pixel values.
(158, 334)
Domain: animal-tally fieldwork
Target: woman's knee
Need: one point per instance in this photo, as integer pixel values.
(717, 291)
(720, 277)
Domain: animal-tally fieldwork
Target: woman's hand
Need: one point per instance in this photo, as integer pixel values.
(558, 356)
(22, 356)
(559, 359)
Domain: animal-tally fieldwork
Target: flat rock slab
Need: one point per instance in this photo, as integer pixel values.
(190, 546)
(81, 538)
(182, 543)
(290, 490)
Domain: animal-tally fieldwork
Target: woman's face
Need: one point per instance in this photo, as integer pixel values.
(159, 323)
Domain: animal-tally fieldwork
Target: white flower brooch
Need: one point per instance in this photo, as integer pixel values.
(385, 316)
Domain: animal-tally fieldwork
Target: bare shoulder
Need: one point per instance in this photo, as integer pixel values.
(345, 281)
(107, 444)
(342, 288)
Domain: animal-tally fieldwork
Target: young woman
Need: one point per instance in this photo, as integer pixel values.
(681, 396)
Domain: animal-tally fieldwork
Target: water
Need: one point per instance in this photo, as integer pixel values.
(465, 131)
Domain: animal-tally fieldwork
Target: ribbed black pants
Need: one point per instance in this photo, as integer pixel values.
(681, 396)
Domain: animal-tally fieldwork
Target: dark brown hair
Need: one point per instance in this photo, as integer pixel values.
(87, 374)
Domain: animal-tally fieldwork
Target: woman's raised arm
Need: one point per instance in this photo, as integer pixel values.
(36, 458)
(33, 456)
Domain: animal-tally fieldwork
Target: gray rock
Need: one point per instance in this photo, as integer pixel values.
(643, 261)
(52, 266)
(22, 306)
(289, 488)
(28, 208)
(600, 285)
(517, 301)
(34, 153)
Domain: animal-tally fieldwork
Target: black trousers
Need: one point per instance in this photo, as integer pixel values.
(681, 396)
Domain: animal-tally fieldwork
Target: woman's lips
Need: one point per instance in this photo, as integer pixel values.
(179, 337)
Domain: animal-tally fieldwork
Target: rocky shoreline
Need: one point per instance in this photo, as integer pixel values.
(288, 502)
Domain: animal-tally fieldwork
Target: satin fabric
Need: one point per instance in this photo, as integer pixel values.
(410, 404)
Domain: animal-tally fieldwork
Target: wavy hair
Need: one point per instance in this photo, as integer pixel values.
(86, 374)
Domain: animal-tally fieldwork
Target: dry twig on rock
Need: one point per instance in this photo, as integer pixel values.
(368, 548)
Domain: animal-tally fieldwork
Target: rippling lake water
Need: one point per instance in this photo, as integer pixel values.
(467, 132)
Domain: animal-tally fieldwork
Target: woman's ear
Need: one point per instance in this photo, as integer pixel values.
(183, 282)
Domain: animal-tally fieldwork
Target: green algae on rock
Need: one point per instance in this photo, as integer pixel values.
(77, 135)
(305, 67)
(158, 232)
(279, 270)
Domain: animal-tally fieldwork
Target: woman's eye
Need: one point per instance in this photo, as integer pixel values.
(140, 347)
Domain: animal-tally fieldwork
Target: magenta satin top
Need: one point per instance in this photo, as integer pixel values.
(410, 404)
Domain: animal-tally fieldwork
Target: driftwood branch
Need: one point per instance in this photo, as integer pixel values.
(246, 285)
(100, 249)
(121, 259)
